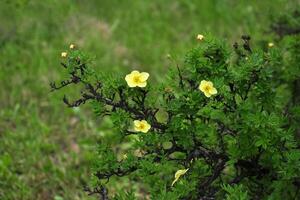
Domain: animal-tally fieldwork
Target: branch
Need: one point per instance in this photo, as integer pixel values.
(180, 77)
(101, 191)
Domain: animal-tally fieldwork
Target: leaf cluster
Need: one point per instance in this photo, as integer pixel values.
(239, 144)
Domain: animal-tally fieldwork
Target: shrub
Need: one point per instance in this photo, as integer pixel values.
(222, 125)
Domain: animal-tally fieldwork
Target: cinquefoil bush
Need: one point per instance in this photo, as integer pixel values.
(222, 125)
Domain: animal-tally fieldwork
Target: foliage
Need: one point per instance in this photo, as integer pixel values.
(238, 142)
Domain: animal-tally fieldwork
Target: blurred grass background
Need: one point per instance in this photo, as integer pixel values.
(46, 148)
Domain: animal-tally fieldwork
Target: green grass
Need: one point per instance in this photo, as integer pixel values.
(45, 148)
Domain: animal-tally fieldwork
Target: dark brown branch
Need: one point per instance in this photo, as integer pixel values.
(100, 191)
(180, 77)
(246, 45)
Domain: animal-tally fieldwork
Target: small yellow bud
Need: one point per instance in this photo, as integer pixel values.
(270, 44)
(124, 156)
(178, 174)
(64, 54)
(141, 126)
(200, 37)
(72, 46)
(207, 87)
(137, 79)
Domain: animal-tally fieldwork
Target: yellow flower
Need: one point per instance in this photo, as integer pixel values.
(72, 46)
(64, 54)
(141, 126)
(178, 174)
(200, 37)
(137, 79)
(270, 44)
(207, 87)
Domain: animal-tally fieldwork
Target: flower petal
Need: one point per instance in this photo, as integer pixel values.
(209, 83)
(128, 77)
(178, 174)
(207, 94)
(135, 72)
(136, 122)
(144, 121)
(175, 180)
(202, 85)
(129, 80)
(147, 128)
(143, 84)
(213, 91)
(137, 125)
(144, 76)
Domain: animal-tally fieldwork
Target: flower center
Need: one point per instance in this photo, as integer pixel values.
(207, 88)
(136, 79)
(142, 126)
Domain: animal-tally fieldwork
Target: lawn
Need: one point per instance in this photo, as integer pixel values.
(46, 149)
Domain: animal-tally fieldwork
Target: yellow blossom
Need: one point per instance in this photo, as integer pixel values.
(137, 79)
(200, 37)
(64, 54)
(178, 174)
(207, 87)
(72, 46)
(141, 126)
(270, 44)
